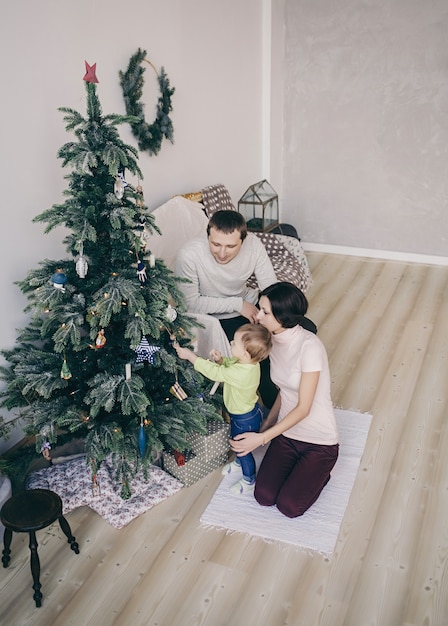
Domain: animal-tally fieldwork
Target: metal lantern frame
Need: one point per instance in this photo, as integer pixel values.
(259, 206)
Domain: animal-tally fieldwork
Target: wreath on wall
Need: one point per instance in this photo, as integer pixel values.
(149, 136)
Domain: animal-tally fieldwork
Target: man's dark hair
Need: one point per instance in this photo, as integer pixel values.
(227, 221)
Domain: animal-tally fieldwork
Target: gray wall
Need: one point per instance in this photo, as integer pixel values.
(365, 154)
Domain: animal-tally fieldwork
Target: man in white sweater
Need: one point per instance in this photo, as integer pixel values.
(218, 267)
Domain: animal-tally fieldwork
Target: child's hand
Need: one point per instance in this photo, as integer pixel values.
(216, 356)
(182, 353)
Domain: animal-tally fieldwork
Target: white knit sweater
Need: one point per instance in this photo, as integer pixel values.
(219, 290)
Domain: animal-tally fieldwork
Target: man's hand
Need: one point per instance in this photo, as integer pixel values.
(250, 311)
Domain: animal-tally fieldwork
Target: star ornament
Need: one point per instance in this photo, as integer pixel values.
(90, 75)
(145, 352)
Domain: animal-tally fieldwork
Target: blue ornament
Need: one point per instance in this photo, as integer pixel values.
(142, 440)
(145, 352)
(59, 279)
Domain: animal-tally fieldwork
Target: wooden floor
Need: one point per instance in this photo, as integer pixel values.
(385, 325)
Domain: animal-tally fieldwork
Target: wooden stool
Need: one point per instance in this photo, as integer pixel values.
(27, 512)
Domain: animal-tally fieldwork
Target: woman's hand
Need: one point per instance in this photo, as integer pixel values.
(246, 442)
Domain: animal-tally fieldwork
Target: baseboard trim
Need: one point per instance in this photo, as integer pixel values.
(389, 255)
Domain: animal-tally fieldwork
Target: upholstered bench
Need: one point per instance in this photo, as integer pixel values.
(27, 512)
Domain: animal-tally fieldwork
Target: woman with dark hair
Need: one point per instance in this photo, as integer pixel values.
(301, 425)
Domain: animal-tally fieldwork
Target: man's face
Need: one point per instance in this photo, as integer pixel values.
(224, 246)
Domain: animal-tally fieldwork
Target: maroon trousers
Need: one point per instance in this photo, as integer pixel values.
(293, 474)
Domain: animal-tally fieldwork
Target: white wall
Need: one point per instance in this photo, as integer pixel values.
(211, 51)
(365, 159)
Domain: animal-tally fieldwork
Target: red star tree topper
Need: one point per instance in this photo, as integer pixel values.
(90, 75)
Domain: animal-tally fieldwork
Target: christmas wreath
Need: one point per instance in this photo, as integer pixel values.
(149, 136)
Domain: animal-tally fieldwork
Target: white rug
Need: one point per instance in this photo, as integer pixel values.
(318, 528)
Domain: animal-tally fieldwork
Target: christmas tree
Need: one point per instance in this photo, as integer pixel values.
(96, 359)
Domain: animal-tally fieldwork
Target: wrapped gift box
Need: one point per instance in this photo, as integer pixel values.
(214, 443)
(194, 467)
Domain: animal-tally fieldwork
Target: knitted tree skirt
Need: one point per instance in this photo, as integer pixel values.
(72, 481)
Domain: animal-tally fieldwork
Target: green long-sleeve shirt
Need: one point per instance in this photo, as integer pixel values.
(241, 381)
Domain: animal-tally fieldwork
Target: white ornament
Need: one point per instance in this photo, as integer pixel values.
(171, 313)
(81, 266)
(144, 235)
(119, 185)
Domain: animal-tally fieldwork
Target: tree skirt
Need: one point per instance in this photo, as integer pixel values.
(72, 481)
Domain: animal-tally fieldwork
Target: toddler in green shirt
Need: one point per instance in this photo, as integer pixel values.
(240, 375)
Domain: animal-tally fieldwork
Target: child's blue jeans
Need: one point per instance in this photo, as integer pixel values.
(243, 423)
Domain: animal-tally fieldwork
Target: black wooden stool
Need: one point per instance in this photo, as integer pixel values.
(27, 512)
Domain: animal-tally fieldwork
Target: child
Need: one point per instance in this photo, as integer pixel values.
(241, 377)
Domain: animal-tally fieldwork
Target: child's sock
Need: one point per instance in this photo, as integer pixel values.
(242, 486)
(231, 468)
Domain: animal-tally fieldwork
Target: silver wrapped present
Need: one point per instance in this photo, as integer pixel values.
(214, 443)
(189, 467)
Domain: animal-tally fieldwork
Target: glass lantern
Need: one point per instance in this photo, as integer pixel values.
(259, 206)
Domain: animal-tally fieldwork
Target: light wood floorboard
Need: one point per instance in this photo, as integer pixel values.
(385, 326)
